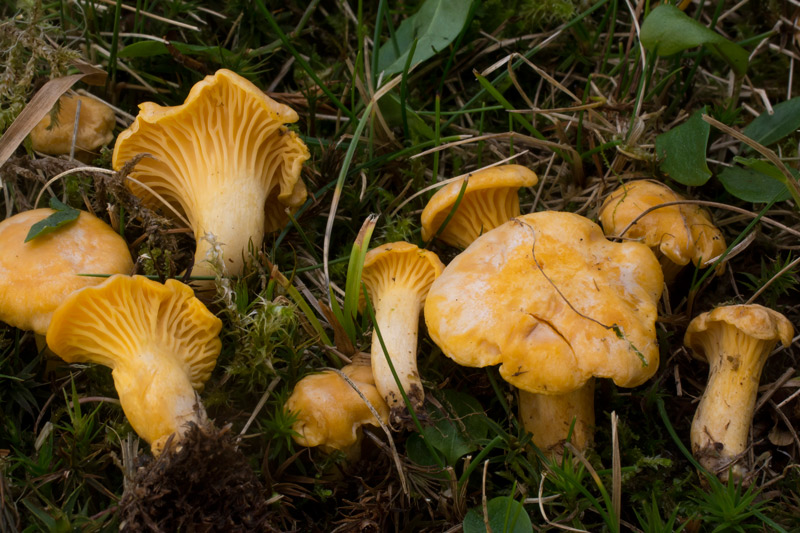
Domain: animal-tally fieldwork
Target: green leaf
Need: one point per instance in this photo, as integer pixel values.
(506, 515)
(64, 215)
(391, 109)
(682, 151)
(667, 30)
(758, 184)
(435, 26)
(767, 129)
(150, 48)
(457, 431)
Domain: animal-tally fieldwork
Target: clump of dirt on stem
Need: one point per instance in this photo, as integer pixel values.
(203, 485)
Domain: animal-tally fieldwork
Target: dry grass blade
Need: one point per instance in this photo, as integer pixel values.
(616, 469)
(541, 501)
(39, 106)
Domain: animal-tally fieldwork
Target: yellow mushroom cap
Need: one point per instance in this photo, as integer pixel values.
(224, 158)
(160, 340)
(36, 276)
(489, 200)
(95, 126)
(745, 324)
(553, 302)
(400, 265)
(682, 233)
(330, 413)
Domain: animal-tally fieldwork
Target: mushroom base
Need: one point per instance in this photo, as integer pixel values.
(549, 417)
(206, 484)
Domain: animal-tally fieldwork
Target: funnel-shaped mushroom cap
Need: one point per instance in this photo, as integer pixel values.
(37, 275)
(400, 265)
(548, 298)
(95, 127)
(330, 413)
(745, 323)
(489, 200)
(161, 342)
(223, 158)
(682, 233)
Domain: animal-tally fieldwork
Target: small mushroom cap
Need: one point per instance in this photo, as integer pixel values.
(400, 264)
(127, 316)
(95, 126)
(36, 276)
(330, 413)
(489, 200)
(553, 302)
(682, 233)
(748, 322)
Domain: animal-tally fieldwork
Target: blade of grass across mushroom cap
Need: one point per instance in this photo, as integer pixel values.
(679, 233)
(36, 276)
(159, 340)
(490, 199)
(95, 126)
(219, 157)
(397, 277)
(735, 340)
(551, 301)
(330, 412)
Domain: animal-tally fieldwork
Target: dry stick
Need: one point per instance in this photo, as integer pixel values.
(616, 470)
(484, 502)
(773, 388)
(774, 278)
(384, 427)
(790, 183)
(258, 408)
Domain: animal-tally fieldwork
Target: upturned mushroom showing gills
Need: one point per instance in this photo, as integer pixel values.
(95, 126)
(555, 304)
(490, 199)
(330, 412)
(735, 340)
(224, 158)
(159, 340)
(36, 276)
(677, 233)
(397, 277)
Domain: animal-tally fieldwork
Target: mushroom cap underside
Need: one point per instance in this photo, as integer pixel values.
(553, 302)
(751, 321)
(117, 321)
(36, 276)
(478, 195)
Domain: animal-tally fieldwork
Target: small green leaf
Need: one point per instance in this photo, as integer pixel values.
(506, 515)
(767, 129)
(754, 185)
(457, 431)
(64, 215)
(391, 109)
(434, 26)
(682, 151)
(150, 48)
(667, 30)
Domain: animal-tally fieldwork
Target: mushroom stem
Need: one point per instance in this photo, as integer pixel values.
(155, 382)
(397, 317)
(235, 215)
(721, 424)
(549, 418)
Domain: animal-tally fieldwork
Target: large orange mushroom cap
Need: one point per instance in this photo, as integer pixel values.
(553, 302)
(490, 199)
(224, 158)
(36, 276)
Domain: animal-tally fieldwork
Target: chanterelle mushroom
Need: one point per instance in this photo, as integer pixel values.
(160, 341)
(95, 126)
(222, 158)
(555, 304)
(330, 413)
(398, 276)
(735, 340)
(36, 276)
(489, 200)
(677, 233)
